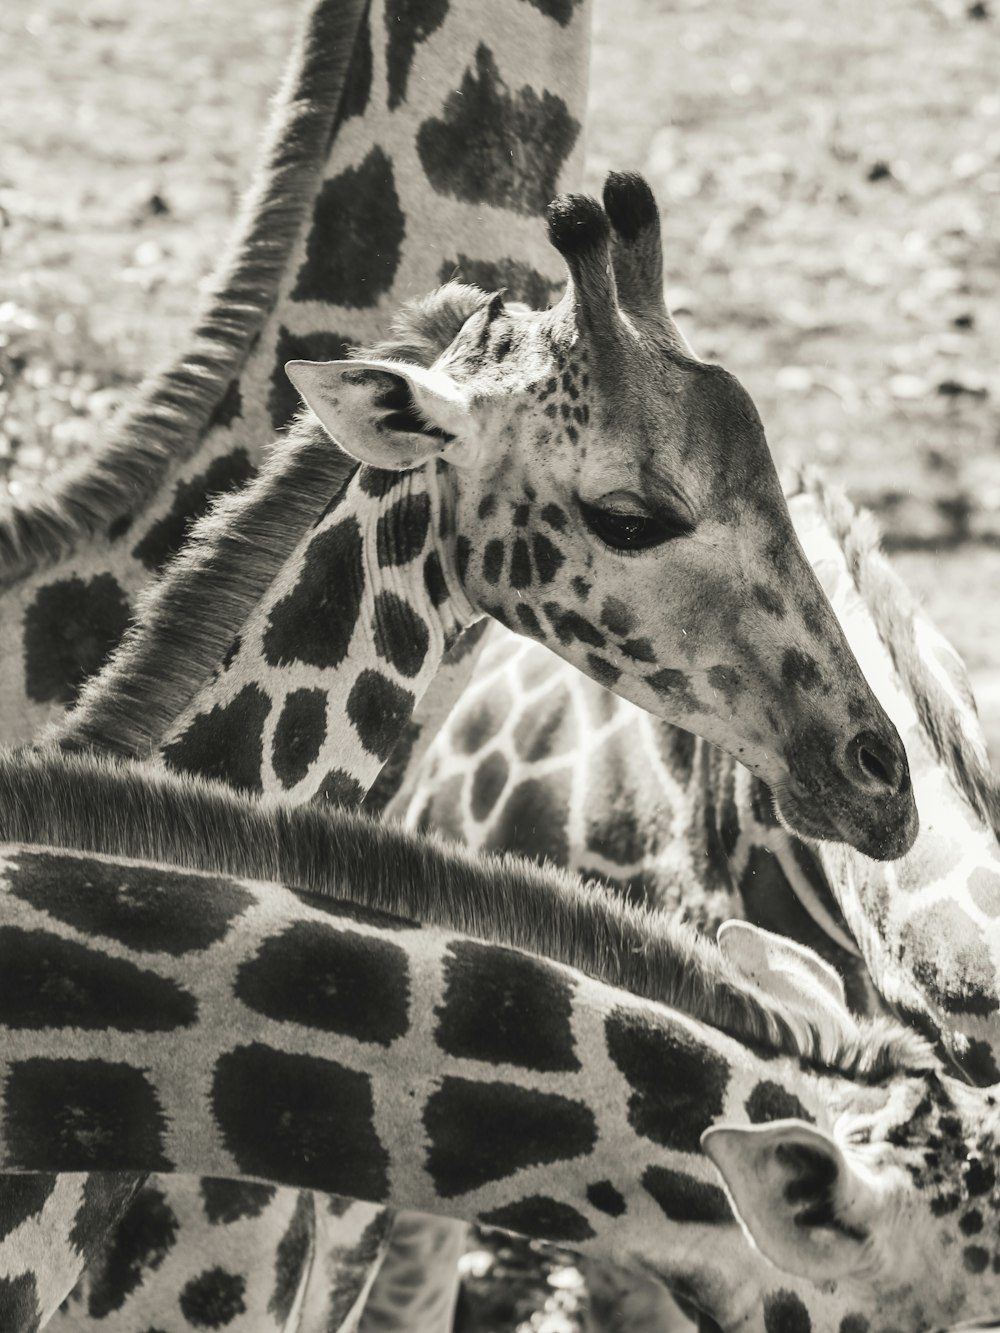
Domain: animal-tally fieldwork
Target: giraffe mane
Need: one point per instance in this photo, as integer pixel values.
(894, 610)
(425, 326)
(174, 408)
(231, 557)
(95, 804)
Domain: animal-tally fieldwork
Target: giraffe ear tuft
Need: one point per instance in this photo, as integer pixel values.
(389, 414)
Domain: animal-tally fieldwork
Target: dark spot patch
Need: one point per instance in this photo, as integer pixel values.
(379, 710)
(360, 209)
(231, 653)
(494, 147)
(106, 1197)
(612, 827)
(290, 1260)
(298, 735)
(853, 1323)
(675, 685)
(554, 517)
(463, 549)
(503, 1007)
(975, 1259)
(677, 750)
(407, 24)
(487, 506)
(89, 1115)
(314, 622)
(673, 1110)
(482, 1132)
(345, 982)
(685, 1198)
(971, 1223)
(799, 669)
(529, 622)
(618, 617)
(434, 579)
(228, 408)
(770, 1101)
(533, 820)
(401, 635)
(770, 600)
(639, 650)
(192, 499)
(136, 1248)
(950, 959)
(727, 680)
(300, 1120)
(581, 587)
(546, 730)
(119, 526)
(548, 558)
(213, 1299)
(148, 908)
(358, 83)
(226, 743)
(605, 673)
(520, 565)
(49, 982)
(784, 1312)
(227, 1201)
(19, 1303)
(401, 533)
(341, 789)
(570, 625)
(488, 783)
(283, 401)
(477, 723)
(70, 630)
(603, 1196)
(493, 560)
(978, 1062)
(523, 282)
(980, 1177)
(22, 1197)
(521, 515)
(378, 482)
(541, 1218)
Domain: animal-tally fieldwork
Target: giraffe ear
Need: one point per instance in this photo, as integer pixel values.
(784, 969)
(805, 1205)
(390, 414)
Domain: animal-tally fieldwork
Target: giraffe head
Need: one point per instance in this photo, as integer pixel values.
(614, 498)
(893, 1176)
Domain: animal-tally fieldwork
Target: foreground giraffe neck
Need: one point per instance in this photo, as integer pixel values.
(599, 1096)
(394, 160)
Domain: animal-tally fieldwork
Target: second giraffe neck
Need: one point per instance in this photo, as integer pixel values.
(307, 692)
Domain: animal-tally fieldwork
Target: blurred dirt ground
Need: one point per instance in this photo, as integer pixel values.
(830, 180)
(830, 177)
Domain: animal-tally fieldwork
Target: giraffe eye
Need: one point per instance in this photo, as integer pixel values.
(629, 530)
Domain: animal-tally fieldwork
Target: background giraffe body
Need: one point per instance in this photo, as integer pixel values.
(396, 157)
(200, 1058)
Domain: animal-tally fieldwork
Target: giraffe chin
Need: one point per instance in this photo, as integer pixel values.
(806, 818)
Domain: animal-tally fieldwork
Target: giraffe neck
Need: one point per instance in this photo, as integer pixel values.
(422, 1072)
(309, 673)
(395, 158)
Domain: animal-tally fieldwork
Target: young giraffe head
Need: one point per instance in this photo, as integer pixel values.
(614, 497)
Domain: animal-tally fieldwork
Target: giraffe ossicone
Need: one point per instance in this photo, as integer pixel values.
(865, 1175)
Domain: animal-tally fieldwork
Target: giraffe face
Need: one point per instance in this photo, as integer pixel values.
(615, 499)
(862, 1213)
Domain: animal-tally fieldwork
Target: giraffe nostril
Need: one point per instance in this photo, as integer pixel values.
(877, 764)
